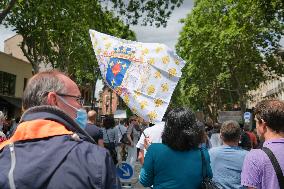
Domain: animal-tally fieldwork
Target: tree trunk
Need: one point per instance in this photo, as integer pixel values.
(32, 57)
(240, 93)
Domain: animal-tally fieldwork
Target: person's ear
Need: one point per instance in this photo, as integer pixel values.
(262, 122)
(23, 110)
(51, 99)
(264, 127)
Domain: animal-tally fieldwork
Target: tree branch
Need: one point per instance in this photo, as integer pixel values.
(34, 64)
(4, 13)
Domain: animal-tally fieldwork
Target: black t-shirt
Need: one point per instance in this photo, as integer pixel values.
(94, 131)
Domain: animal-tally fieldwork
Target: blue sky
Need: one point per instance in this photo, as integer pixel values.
(168, 35)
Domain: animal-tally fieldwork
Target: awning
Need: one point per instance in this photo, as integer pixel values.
(120, 114)
(17, 102)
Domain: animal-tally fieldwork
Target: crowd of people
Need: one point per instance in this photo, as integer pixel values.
(234, 156)
(58, 144)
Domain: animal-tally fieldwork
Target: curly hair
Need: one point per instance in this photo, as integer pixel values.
(181, 131)
(230, 131)
(272, 113)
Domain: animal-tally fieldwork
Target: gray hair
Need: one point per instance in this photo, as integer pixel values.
(230, 131)
(38, 87)
(2, 116)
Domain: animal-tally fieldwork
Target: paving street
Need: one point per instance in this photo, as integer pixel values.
(134, 181)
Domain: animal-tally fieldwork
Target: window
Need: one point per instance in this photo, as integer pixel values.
(7, 84)
(25, 83)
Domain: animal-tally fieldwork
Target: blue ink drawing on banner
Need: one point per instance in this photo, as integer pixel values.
(117, 66)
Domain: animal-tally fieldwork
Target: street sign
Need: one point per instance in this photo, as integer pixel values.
(124, 171)
(247, 116)
(229, 115)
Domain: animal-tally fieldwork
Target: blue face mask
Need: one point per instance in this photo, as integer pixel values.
(81, 115)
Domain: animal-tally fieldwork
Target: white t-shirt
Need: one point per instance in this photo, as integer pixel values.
(215, 140)
(154, 133)
(119, 131)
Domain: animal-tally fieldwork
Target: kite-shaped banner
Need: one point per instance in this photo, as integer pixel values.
(144, 75)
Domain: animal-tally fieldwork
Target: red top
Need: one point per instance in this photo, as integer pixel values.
(253, 138)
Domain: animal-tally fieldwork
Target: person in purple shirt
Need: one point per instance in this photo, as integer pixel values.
(258, 171)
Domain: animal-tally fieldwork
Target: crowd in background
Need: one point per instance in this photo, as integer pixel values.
(179, 152)
(225, 146)
(231, 154)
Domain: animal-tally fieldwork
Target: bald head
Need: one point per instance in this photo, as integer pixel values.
(92, 115)
(53, 88)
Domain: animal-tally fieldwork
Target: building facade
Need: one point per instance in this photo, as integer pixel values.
(14, 75)
(12, 47)
(270, 89)
(108, 101)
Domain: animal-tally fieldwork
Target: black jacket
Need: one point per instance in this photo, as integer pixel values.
(34, 159)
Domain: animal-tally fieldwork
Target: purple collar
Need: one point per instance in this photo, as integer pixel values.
(271, 141)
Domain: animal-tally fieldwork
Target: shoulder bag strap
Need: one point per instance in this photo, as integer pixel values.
(276, 166)
(107, 136)
(120, 130)
(203, 162)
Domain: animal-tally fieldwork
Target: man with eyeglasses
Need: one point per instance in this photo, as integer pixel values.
(50, 148)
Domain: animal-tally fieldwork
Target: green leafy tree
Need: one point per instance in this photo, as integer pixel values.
(132, 12)
(147, 12)
(5, 8)
(230, 49)
(57, 33)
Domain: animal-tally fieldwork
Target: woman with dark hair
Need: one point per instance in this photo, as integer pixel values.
(177, 161)
(109, 136)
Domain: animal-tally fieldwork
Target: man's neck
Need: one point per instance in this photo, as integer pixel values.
(234, 143)
(269, 135)
(91, 122)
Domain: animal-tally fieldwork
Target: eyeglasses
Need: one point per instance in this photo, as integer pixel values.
(79, 99)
